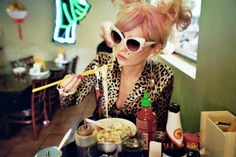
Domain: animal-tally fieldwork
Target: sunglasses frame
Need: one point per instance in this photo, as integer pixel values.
(143, 43)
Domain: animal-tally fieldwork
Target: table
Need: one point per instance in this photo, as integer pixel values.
(72, 149)
(9, 83)
(11, 90)
(15, 95)
(52, 66)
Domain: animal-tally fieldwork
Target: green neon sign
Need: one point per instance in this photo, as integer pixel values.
(68, 14)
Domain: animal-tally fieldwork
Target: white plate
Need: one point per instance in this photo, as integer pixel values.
(119, 122)
(19, 69)
(39, 74)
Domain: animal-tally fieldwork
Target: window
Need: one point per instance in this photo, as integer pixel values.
(186, 42)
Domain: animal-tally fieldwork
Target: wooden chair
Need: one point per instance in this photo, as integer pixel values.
(34, 110)
(28, 61)
(74, 64)
(53, 95)
(16, 63)
(23, 62)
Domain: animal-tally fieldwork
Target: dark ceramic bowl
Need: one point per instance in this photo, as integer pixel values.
(132, 146)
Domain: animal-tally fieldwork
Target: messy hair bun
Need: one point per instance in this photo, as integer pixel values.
(125, 2)
(157, 21)
(176, 13)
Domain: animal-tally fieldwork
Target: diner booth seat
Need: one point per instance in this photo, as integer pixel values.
(31, 107)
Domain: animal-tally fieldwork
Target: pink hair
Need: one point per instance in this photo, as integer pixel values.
(156, 22)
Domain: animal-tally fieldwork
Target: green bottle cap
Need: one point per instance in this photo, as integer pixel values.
(145, 101)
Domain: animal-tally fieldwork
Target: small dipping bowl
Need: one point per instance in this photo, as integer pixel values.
(107, 147)
(49, 152)
(85, 137)
(132, 146)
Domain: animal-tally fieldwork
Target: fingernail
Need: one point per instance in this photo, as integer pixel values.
(80, 77)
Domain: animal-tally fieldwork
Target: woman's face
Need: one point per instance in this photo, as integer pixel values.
(126, 57)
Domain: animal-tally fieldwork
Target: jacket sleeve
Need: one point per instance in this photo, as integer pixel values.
(86, 85)
(160, 106)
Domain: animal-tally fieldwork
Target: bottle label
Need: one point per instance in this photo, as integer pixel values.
(147, 130)
(174, 128)
(145, 141)
(164, 155)
(146, 125)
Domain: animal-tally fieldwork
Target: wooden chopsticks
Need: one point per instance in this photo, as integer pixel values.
(88, 72)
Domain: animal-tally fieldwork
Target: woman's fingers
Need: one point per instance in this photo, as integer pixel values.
(105, 32)
(74, 88)
(69, 85)
(66, 80)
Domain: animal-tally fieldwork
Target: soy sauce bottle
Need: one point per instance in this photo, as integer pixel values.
(146, 122)
(173, 145)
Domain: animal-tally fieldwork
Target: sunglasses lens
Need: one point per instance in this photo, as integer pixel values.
(133, 45)
(115, 37)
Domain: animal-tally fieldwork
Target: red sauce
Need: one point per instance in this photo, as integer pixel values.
(146, 122)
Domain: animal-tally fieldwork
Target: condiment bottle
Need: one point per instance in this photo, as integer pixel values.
(192, 144)
(173, 145)
(146, 122)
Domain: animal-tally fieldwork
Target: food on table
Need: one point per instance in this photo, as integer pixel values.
(115, 135)
(105, 86)
(132, 146)
(85, 130)
(107, 147)
(132, 142)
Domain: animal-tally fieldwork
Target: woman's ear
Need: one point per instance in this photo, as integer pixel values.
(156, 49)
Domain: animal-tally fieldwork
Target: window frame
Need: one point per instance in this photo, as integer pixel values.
(194, 26)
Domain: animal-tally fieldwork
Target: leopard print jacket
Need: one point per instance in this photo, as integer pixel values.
(160, 90)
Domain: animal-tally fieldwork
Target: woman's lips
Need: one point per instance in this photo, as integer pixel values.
(120, 57)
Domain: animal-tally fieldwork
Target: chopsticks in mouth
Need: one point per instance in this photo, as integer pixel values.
(88, 72)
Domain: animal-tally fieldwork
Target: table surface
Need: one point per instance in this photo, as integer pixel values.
(9, 83)
(51, 65)
(13, 88)
(72, 149)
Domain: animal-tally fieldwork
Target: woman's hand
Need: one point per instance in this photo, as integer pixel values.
(69, 85)
(105, 32)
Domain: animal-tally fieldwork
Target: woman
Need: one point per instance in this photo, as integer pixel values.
(140, 32)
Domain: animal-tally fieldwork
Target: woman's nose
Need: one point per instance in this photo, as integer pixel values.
(122, 47)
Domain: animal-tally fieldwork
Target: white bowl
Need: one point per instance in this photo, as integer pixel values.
(49, 151)
(120, 128)
(117, 123)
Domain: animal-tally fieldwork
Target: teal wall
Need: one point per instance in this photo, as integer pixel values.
(215, 85)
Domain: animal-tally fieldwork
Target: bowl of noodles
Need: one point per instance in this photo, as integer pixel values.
(119, 129)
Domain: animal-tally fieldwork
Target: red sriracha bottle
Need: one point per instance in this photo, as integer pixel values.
(146, 121)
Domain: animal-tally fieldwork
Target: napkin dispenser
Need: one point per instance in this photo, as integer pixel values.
(214, 137)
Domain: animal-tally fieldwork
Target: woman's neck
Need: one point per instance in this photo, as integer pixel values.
(133, 71)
